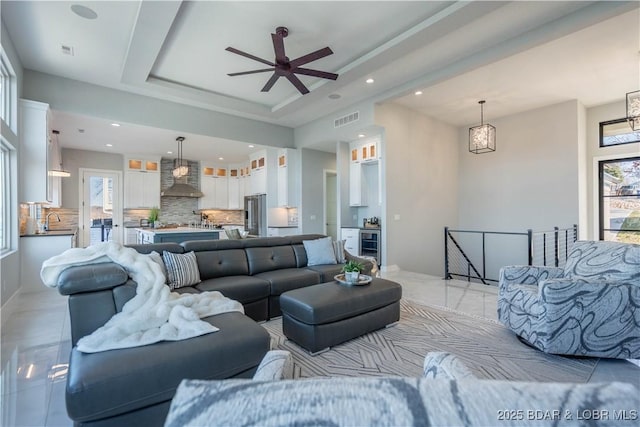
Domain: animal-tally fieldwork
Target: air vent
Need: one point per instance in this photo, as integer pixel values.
(345, 120)
(66, 50)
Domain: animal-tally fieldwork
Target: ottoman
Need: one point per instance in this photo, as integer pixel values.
(320, 316)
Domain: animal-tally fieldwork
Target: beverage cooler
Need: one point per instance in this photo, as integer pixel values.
(370, 244)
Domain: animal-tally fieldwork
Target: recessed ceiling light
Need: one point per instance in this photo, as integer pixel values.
(251, 145)
(370, 80)
(169, 152)
(109, 145)
(418, 92)
(117, 125)
(334, 96)
(83, 11)
(220, 158)
(361, 135)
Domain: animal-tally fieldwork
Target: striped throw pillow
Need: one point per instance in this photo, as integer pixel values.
(182, 269)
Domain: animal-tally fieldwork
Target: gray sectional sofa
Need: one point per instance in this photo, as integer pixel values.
(134, 386)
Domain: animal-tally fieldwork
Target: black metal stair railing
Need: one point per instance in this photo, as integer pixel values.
(544, 248)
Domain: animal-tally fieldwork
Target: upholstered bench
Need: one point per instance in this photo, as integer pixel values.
(320, 316)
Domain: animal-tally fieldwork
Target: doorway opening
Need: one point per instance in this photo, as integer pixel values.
(100, 207)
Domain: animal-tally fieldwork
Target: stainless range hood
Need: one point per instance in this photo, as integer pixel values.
(180, 188)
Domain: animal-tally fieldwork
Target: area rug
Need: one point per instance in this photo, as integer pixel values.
(489, 349)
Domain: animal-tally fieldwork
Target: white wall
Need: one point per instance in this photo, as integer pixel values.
(313, 164)
(421, 179)
(595, 115)
(75, 159)
(10, 263)
(529, 182)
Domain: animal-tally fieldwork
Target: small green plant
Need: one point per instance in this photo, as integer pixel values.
(352, 267)
(153, 214)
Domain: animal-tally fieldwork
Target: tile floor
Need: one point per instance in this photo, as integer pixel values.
(36, 342)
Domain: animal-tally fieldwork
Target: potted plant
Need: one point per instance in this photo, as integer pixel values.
(352, 271)
(153, 215)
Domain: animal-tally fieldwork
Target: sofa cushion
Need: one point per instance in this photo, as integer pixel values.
(109, 383)
(220, 263)
(289, 278)
(320, 251)
(327, 272)
(182, 269)
(244, 289)
(270, 258)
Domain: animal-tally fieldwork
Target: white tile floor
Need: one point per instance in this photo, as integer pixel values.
(36, 343)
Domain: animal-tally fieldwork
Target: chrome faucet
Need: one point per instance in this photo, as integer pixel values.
(46, 220)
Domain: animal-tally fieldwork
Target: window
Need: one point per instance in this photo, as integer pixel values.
(617, 132)
(619, 182)
(7, 79)
(6, 217)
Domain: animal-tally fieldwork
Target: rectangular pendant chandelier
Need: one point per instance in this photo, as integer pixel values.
(482, 139)
(633, 109)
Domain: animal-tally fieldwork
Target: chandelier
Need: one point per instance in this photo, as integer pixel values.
(482, 139)
(633, 110)
(181, 169)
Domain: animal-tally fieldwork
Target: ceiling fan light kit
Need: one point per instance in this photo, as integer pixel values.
(283, 67)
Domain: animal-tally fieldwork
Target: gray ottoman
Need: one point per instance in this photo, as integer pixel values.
(320, 316)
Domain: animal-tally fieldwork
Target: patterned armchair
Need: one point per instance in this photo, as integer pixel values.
(589, 308)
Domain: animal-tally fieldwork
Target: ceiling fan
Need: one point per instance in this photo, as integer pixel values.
(283, 67)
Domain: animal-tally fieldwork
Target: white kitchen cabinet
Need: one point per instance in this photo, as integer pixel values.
(351, 236)
(34, 250)
(287, 182)
(141, 182)
(282, 231)
(357, 185)
(258, 173)
(130, 236)
(36, 150)
(214, 184)
(236, 187)
(141, 189)
(142, 163)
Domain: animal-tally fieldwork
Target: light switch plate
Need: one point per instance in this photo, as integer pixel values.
(313, 217)
(396, 217)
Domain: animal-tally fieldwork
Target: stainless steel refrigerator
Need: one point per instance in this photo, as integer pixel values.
(255, 215)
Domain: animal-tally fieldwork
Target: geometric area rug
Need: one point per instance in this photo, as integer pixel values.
(486, 347)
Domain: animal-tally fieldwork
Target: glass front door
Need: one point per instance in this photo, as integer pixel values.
(620, 200)
(101, 213)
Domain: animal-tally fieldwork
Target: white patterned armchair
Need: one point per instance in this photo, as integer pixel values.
(589, 308)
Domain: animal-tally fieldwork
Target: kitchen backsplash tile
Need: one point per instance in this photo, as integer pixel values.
(178, 209)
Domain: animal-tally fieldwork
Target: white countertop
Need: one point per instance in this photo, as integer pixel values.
(178, 230)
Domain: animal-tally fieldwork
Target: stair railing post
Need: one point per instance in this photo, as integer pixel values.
(555, 249)
(447, 276)
(530, 244)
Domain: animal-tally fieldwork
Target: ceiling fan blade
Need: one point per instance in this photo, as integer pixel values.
(310, 57)
(248, 55)
(278, 48)
(315, 73)
(263, 70)
(297, 83)
(271, 82)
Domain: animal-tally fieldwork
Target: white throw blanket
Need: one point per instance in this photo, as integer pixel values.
(154, 314)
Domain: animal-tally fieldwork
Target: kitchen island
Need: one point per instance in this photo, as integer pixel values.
(176, 235)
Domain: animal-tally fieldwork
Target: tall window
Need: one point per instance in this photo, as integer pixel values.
(620, 200)
(6, 89)
(5, 196)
